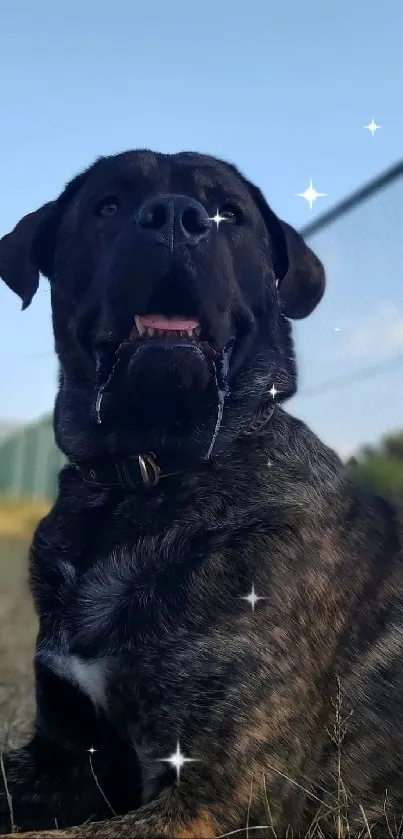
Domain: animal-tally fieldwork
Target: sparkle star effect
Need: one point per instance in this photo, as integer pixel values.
(253, 598)
(92, 750)
(372, 126)
(217, 218)
(273, 390)
(311, 194)
(177, 760)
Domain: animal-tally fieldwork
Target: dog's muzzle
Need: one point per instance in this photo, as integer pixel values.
(174, 220)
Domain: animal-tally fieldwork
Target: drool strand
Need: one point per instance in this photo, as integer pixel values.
(221, 369)
(102, 387)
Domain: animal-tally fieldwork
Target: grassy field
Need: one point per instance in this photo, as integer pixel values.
(17, 637)
(19, 517)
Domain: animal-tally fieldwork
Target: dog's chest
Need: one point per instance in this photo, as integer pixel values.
(89, 675)
(89, 623)
(114, 610)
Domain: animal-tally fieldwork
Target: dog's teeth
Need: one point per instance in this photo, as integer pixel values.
(150, 331)
(139, 325)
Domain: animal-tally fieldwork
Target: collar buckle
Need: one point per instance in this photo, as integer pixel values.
(150, 471)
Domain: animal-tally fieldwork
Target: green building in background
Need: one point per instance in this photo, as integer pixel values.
(30, 461)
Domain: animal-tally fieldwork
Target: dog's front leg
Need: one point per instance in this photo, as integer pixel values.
(44, 785)
(75, 768)
(40, 782)
(168, 816)
(195, 808)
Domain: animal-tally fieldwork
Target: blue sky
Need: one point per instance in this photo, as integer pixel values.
(281, 89)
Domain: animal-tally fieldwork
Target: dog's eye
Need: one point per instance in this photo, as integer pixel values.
(107, 207)
(231, 213)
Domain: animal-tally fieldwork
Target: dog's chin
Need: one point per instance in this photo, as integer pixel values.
(161, 384)
(168, 374)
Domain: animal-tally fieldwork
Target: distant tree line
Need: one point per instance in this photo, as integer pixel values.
(380, 468)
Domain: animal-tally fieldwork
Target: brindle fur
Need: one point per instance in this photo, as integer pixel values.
(152, 581)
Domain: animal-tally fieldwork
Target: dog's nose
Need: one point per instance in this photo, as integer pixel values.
(175, 219)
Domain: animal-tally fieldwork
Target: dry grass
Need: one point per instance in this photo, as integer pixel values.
(19, 517)
(17, 638)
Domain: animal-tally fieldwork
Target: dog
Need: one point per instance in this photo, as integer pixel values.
(220, 608)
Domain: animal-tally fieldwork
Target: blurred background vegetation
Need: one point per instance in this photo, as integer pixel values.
(380, 468)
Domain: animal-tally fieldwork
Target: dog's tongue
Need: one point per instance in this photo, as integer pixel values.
(175, 324)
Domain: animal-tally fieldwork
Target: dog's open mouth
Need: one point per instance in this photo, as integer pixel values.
(171, 318)
(169, 321)
(158, 326)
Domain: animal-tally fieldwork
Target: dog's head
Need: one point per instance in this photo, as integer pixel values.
(172, 285)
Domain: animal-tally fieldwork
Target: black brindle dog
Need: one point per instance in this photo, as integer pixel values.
(188, 494)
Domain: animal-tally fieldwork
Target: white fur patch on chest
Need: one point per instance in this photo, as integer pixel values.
(89, 675)
(91, 678)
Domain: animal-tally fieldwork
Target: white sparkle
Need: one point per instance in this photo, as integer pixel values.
(253, 598)
(310, 194)
(177, 760)
(273, 390)
(92, 750)
(372, 126)
(217, 218)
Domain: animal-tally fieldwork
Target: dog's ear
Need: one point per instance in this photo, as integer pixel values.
(300, 274)
(20, 261)
(30, 248)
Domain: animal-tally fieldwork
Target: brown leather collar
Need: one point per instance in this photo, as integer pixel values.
(144, 468)
(140, 469)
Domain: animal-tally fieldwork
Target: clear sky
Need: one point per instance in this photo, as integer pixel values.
(282, 89)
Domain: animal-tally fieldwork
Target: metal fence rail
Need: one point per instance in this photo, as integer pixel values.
(353, 201)
(29, 459)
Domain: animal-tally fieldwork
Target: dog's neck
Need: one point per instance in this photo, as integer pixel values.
(148, 469)
(290, 472)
